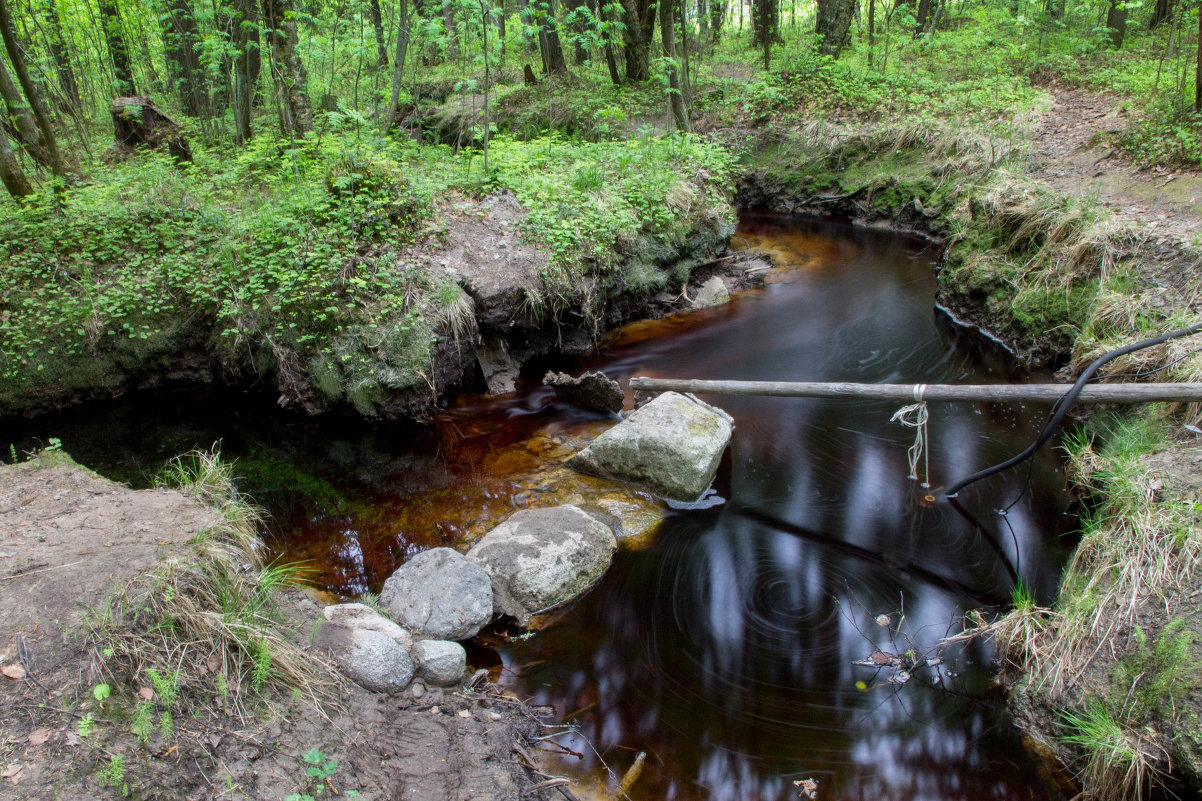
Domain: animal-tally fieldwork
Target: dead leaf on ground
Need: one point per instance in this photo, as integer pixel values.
(146, 694)
(12, 773)
(39, 736)
(13, 671)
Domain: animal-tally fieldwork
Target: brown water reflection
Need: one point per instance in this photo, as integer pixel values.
(723, 646)
(724, 651)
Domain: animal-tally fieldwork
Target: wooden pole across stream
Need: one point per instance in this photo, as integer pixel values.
(912, 393)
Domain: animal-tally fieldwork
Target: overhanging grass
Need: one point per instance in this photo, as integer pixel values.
(205, 630)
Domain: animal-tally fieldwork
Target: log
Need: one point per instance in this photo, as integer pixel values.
(911, 393)
(138, 122)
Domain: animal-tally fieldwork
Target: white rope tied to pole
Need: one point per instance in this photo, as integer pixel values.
(915, 416)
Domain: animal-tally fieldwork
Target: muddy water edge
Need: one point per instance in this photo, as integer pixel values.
(723, 646)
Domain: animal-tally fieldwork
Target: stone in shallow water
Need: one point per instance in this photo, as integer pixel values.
(638, 519)
(672, 446)
(593, 391)
(540, 558)
(439, 593)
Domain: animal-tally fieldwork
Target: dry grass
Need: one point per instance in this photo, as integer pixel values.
(209, 623)
(1062, 239)
(1138, 549)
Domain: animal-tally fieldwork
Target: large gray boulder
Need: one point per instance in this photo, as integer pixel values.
(440, 594)
(370, 649)
(672, 446)
(541, 558)
(440, 662)
(361, 616)
(370, 658)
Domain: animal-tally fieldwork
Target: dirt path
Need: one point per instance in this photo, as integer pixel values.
(1074, 154)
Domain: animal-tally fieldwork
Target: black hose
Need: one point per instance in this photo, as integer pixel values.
(1066, 404)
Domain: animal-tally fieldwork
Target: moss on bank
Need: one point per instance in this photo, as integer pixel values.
(302, 263)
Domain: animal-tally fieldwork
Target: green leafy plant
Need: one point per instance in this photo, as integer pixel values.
(318, 774)
(113, 774)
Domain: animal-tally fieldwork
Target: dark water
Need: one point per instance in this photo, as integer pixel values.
(725, 649)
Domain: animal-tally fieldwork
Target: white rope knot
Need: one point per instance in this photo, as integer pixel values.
(915, 416)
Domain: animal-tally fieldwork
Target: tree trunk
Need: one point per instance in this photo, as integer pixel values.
(638, 60)
(579, 55)
(920, 21)
(548, 40)
(448, 21)
(377, 23)
(245, 25)
(602, 12)
(24, 127)
(717, 16)
(122, 70)
(292, 82)
(558, 66)
(40, 115)
(1116, 22)
(62, 58)
(667, 27)
(765, 22)
(833, 24)
(1162, 12)
(180, 39)
(11, 176)
(1198, 70)
(871, 31)
(398, 63)
(703, 23)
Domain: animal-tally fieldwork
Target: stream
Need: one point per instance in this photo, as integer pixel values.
(723, 646)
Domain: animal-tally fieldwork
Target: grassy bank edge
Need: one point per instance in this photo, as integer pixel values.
(201, 637)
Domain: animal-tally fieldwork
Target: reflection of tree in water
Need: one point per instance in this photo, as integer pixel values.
(726, 650)
(726, 653)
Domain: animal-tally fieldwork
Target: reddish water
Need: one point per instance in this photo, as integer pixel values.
(724, 647)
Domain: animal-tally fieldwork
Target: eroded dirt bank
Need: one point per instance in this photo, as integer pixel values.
(69, 540)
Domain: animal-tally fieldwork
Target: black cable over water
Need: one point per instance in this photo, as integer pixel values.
(1067, 403)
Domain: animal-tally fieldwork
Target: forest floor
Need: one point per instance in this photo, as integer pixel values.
(1074, 153)
(68, 539)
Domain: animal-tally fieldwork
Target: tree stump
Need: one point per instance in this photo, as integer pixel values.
(138, 122)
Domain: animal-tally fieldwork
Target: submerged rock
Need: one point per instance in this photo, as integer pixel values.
(672, 446)
(541, 558)
(440, 662)
(594, 391)
(439, 593)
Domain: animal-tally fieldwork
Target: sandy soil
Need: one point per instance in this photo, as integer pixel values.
(67, 538)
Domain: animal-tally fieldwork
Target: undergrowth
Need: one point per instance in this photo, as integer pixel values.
(298, 261)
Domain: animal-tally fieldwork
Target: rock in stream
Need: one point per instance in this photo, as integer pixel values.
(672, 446)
